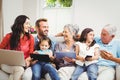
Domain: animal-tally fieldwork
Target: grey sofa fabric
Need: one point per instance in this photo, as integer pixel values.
(118, 72)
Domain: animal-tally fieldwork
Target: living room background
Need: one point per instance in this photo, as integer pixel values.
(85, 13)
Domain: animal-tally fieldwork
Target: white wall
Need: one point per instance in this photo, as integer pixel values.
(85, 13)
(30, 9)
(97, 13)
(11, 9)
(57, 17)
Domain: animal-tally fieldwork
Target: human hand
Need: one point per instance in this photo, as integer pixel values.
(35, 52)
(52, 58)
(106, 55)
(67, 59)
(33, 62)
(80, 58)
(27, 61)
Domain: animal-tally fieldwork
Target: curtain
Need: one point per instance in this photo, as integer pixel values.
(1, 21)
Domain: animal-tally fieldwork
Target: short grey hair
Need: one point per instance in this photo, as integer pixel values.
(72, 28)
(110, 28)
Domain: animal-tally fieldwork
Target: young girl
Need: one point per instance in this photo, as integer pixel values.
(41, 66)
(87, 53)
(43, 47)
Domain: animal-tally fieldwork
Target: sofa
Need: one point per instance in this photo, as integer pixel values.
(84, 75)
(59, 39)
(118, 72)
(117, 76)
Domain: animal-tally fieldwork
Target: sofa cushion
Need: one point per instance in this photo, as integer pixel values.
(118, 72)
(3, 75)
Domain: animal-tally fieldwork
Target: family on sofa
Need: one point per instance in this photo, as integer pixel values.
(96, 57)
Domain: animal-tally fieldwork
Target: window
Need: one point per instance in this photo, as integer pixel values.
(57, 16)
(57, 3)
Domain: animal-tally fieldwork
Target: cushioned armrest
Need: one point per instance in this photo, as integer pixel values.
(118, 72)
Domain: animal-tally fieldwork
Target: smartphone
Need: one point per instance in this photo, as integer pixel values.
(88, 56)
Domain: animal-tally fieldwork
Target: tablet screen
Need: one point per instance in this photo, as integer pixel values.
(65, 54)
(40, 57)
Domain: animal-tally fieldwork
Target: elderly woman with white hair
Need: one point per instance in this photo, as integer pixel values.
(110, 54)
(66, 65)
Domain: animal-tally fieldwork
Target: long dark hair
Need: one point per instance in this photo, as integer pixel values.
(17, 28)
(83, 36)
(45, 38)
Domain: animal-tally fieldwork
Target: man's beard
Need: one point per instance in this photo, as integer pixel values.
(43, 34)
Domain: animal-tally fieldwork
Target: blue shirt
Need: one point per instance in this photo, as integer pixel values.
(113, 47)
(43, 51)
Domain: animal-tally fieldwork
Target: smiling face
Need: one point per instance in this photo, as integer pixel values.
(106, 37)
(67, 34)
(90, 37)
(44, 45)
(43, 28)
(26, 25)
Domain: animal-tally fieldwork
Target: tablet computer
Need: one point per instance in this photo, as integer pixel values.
(65, 54)
(40, 57)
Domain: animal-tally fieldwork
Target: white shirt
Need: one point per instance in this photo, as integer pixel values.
(84, 51)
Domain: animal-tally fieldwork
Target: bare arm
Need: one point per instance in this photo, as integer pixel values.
(51, 55)
(96, 54)
(77, 50)
(117, 60)
(59, 34)
(109, 56)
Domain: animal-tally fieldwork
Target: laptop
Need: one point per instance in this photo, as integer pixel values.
(65, 54)
(12, 57)
(40, 57)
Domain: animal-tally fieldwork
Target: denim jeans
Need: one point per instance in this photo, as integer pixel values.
(39, 67)
(91, 70)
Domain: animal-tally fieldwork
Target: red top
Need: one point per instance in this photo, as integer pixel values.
(26, 45)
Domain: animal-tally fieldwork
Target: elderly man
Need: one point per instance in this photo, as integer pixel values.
(110, 53)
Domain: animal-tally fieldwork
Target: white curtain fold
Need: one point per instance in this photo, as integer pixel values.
(1, 22)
